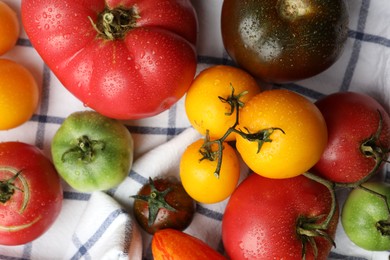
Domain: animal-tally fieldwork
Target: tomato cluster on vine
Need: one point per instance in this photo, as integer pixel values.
(339, 141)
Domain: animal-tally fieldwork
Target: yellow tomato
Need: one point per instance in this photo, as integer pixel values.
(19, 94)
(293, 148)
(198, 178)
(9, 28)
(204, 107)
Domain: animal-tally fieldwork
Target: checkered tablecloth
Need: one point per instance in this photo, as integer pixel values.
(100, 225)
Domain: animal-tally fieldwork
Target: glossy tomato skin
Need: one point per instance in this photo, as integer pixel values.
(295, 147)
(361, 213)
(261, 217)
(141, 74)
(92, 152)
(284, 40)
(37, 202)
(177, 198)
(174, 244)
(198, 174)
(20, 94)
(10, 29)
(351, 119)
(204, 107)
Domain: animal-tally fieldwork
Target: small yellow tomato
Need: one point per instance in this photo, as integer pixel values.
(9, 28)
(19, 94)
(297, 134)
(198, 173)
(206, 102)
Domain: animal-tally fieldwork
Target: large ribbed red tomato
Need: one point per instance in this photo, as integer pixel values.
(125, 59)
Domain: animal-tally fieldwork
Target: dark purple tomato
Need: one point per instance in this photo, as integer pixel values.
(284, 40)
(163, 203)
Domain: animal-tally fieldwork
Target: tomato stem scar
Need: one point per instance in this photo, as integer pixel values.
(114, 23)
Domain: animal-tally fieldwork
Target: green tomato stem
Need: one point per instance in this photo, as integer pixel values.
(84, 150)
(156, 200)
(331, 187)
(260, 137)
(8, 187)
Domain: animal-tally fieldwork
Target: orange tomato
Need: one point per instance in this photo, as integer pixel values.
(198, 176)
(19, 94)
(205, 110)
(291, 150)
(175, 244)
(9, 29)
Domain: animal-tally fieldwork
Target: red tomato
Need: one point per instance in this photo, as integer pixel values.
(263, 215)
(124, 59)
(352, 119)
(30, 193)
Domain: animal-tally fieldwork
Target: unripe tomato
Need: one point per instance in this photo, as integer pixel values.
(365, 217)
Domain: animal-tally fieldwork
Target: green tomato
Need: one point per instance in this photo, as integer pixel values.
(92, 152)
(365, 217)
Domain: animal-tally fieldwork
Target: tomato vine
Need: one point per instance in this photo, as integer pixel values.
(307, 227)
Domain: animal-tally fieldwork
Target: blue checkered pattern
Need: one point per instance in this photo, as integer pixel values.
(364, 67)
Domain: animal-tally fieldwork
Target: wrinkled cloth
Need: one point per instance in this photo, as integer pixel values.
(101, 225)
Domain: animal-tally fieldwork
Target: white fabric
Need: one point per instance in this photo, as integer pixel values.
(98, 225)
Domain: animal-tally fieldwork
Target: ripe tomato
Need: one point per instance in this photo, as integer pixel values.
(352, 119)
(19, 94)
(163, 203)
(92, 152)
(174, 244)
(208, 100)
(30, 193)
(365, 216)
(198, 176)
(264, 217)
(291, 149)
(284, 40)
(124, 59)
(9, 29)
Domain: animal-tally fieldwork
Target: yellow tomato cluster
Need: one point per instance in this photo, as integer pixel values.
(19, 91)
(278, 133)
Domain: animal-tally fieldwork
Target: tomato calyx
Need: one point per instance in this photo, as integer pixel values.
(233, 100)
(371, 147)
(8, 187)
(260, 136)
(114, 23)
(84, 150)
(156, 201)
(307, 229)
